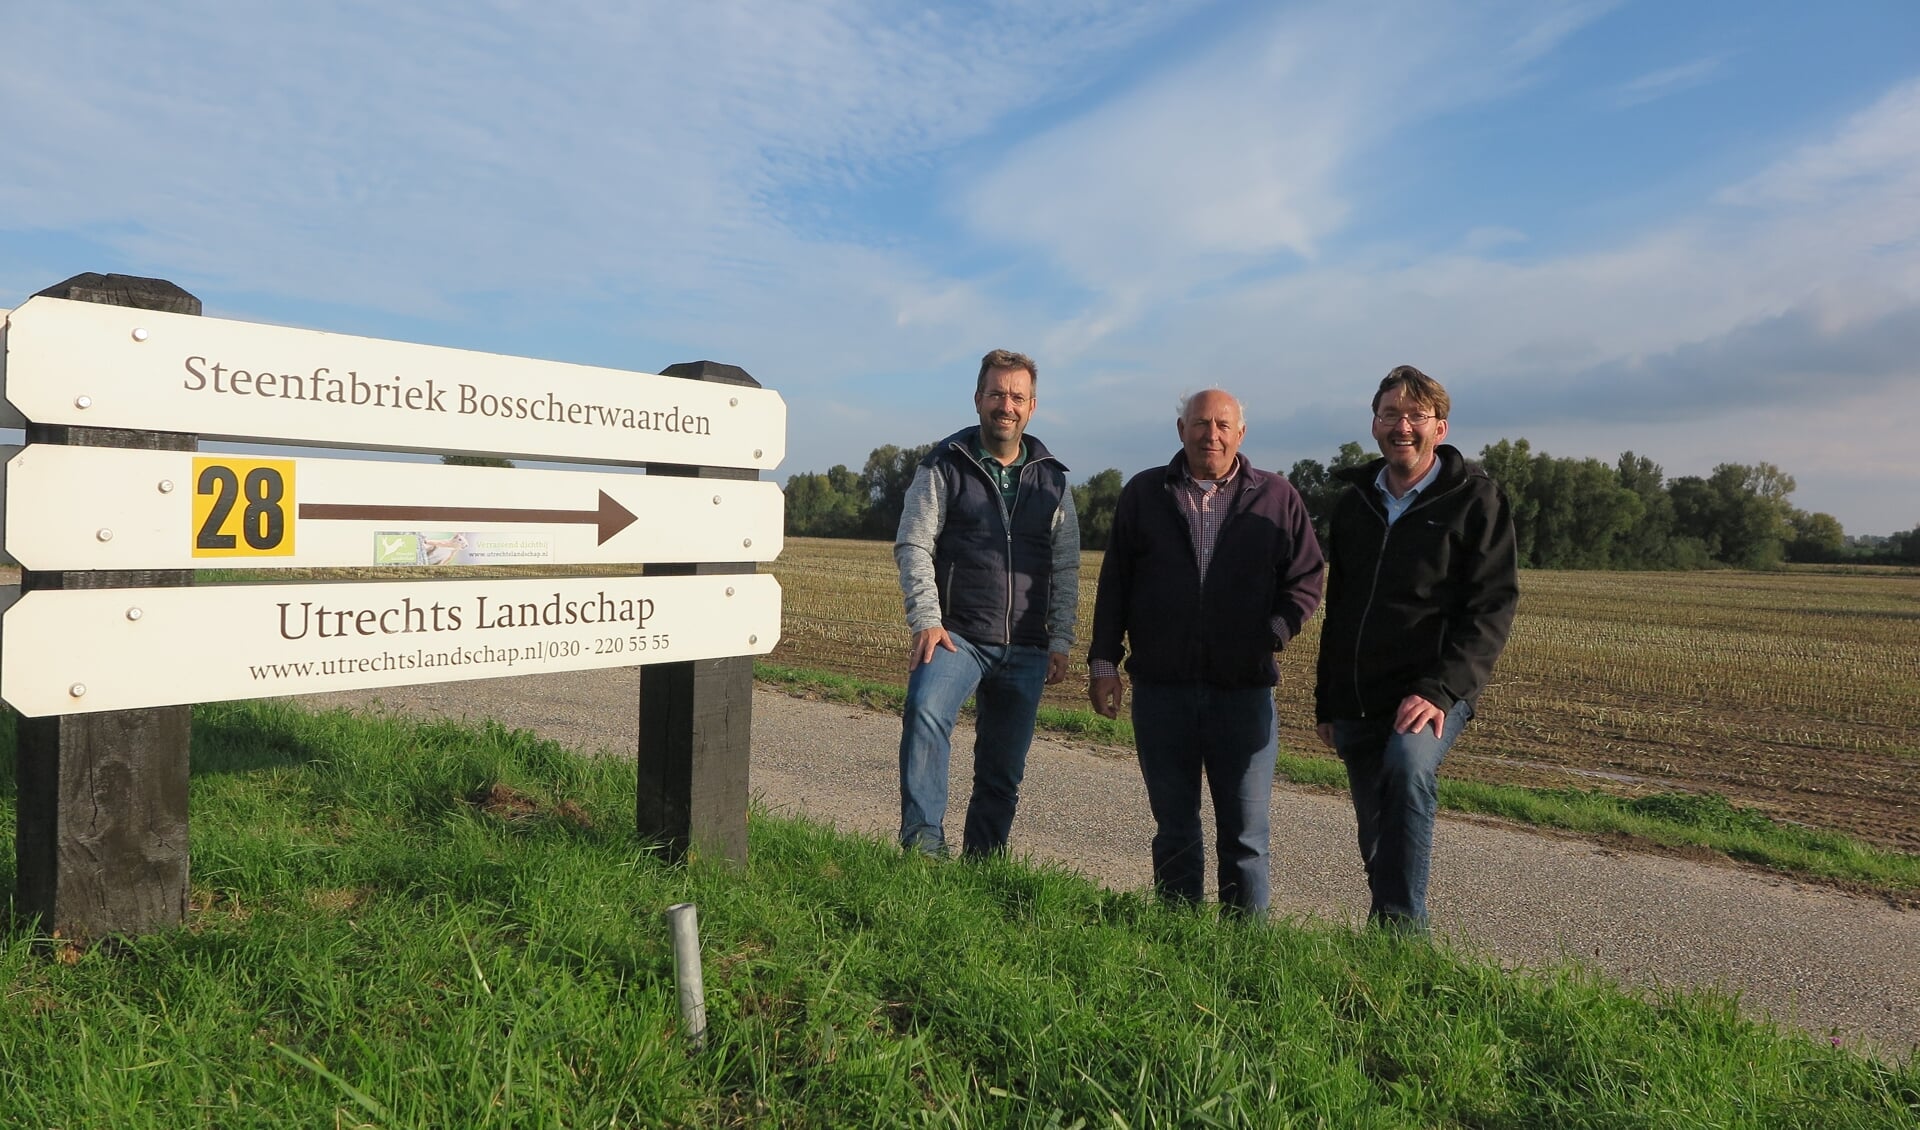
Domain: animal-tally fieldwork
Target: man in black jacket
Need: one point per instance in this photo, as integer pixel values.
(1421, 591)
(1211, 567)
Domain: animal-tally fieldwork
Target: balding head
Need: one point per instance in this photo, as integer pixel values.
(1211, 426)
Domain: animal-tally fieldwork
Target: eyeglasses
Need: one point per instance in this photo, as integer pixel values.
(1393, 419)
(1017, 399)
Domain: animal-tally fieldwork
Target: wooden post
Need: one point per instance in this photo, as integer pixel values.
(101, 845)
(696, 718)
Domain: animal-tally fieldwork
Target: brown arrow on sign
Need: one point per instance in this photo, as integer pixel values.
(609, 516)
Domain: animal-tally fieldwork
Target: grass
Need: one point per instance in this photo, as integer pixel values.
(417, 924)
(1670, 820)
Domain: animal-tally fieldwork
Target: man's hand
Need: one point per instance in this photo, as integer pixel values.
(1104, 692)
(1415, 714)
(1324, 730)
(924, 641)
(1056, 667)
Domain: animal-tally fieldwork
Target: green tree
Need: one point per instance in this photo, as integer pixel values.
(1904, 547)
(1695, 531)
(1651, 542)
(1739, 513)
(1317, 486)
(1094, 501)
(1816, 537)
(1581, 511)
(884, 481)
(1510, 462)
(1758, 511)
(832, 505)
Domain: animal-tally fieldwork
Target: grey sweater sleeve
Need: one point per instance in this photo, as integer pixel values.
(921, 518)
(1063, 606)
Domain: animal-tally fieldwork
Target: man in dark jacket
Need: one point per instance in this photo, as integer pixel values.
(1421, 591)
(989, 555)
(1211, 567)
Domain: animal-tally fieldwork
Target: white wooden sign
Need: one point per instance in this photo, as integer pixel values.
(93, 365)
(78, 651)
(119, 508)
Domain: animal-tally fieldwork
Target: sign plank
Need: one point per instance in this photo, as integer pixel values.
(112, 508)
(81, 651)
(93, 365)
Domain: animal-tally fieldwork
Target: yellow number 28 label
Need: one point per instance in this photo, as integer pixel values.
(242, 507)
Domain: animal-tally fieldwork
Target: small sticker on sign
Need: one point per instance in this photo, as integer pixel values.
(459, 547)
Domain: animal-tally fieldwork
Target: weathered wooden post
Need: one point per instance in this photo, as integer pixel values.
(101, 821)
(696, 718)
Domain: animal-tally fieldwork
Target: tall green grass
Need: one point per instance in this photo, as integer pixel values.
(401, 924)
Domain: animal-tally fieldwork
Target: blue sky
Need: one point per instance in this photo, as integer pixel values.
(1691, 230)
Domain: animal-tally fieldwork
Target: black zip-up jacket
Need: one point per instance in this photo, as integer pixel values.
(1420, 607)
(1266, 563)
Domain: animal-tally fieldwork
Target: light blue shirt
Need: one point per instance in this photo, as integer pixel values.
(1398, 506)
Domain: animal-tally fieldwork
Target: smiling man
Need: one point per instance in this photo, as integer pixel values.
(989, 554)
(1422, 584)
(1211, 567)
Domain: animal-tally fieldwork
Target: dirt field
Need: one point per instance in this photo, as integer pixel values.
(1793, 692)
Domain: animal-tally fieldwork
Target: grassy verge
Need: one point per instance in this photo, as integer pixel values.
(1680, 821)
(417, 924)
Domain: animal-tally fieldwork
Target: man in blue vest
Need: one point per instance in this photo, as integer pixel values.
(989, 557)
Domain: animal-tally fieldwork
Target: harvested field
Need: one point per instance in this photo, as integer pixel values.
(1793, 692)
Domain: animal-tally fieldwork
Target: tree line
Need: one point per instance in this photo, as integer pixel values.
(1568, 513)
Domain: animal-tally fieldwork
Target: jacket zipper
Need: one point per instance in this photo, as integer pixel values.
(1366, 611)
(1378, 510)
(1006, 524)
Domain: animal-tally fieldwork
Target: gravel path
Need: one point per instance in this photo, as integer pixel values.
(1834, 963)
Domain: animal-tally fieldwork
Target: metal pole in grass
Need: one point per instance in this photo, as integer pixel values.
(684, 922)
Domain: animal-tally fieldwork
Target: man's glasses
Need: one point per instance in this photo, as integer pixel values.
(1393, 419)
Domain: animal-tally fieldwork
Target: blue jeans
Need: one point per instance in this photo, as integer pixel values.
(1396, 789)
(1007, 680)
(1231, 735)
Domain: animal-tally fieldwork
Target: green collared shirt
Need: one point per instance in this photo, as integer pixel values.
(1006, 476)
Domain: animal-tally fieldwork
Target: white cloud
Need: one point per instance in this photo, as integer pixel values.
(402, 157)
(1238, 155)
(1655, 85)
(1874, 156)
(1748, 328)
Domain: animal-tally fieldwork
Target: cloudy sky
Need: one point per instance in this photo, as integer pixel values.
(1689, 230)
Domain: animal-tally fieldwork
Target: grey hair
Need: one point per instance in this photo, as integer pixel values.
(1188, 399)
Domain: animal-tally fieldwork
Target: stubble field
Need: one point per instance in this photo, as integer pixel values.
(1793, 692)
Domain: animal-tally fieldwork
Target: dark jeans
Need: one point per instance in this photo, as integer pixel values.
(1395, 780)
(1005, 681)
(1230, 735)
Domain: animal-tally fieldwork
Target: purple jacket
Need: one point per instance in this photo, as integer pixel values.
(1266, 564)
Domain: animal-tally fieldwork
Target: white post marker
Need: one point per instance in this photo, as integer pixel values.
(78, 651)
(72, 508)
(93, 365)
(683, 923)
